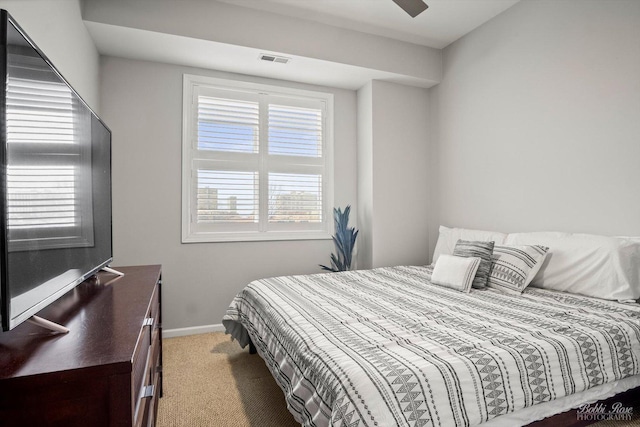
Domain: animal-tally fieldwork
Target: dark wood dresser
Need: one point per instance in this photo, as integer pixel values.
(107, 371)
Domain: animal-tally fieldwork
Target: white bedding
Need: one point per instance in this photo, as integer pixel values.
(385, 347)
(546, 409)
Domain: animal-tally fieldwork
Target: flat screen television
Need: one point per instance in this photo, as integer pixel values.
(55, 175)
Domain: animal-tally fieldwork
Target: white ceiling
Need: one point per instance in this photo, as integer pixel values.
(442, 23)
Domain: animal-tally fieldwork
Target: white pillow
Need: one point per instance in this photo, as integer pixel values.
(514, 267)
(596, 266)
(455, 272)
(448, 238)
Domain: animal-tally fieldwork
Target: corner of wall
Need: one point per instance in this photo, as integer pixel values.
(365, 175)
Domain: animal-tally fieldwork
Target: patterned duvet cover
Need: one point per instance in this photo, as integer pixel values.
(385, 347)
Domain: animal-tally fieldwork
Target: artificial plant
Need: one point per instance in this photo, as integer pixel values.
(344, 240)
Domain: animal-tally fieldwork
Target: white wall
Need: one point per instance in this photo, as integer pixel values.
(56, 27)
(393, 186)
(142, 104)
(536, 123)
(235, 25)
(364, 244)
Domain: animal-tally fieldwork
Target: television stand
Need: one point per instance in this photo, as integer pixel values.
(112, 271)
(47, 324)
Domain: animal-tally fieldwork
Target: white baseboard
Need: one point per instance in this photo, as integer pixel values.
(193, 330)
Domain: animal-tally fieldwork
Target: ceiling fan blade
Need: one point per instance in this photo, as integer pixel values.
(412, 7)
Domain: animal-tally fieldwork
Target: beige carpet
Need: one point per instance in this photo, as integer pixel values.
(210, 381)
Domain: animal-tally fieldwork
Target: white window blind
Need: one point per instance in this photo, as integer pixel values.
(38, 113)
(295, 198)
(295, 131)
(256, 162)
(227, 197)
(41, 197)
(45, 176)
(227, 125)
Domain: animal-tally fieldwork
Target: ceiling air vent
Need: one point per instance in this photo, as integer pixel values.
(274, 58)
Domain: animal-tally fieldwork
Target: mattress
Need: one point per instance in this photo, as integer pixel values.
(385, 347)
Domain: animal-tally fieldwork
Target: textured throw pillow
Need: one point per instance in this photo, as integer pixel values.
(448, 237)
(483, 250)
(514, 267)
(455, 272)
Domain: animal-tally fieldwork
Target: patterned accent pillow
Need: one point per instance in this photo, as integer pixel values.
(514, 267)
(455, 272)
(483, 250)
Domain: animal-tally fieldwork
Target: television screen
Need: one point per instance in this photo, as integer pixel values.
(56, 180)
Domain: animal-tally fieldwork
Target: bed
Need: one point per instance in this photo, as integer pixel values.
(387, 347)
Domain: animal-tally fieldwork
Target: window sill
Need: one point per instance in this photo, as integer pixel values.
(255, 236)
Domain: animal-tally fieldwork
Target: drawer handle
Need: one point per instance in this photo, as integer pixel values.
(148, 391)
(148, 321)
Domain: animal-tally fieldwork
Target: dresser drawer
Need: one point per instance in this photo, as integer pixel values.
(154, 310)
(148, 396)
(139, 368)
(147, 371)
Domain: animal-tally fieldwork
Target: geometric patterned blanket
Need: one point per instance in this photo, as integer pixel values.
(385, 347)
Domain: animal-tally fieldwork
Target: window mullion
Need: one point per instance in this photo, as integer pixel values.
(263, 150)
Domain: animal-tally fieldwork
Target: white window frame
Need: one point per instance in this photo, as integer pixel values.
(191, 157)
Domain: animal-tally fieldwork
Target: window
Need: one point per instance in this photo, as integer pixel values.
(257, 162)
(46, 185)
